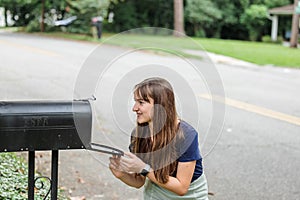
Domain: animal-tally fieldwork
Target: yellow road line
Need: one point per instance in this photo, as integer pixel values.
(29, 48)
(255, 109)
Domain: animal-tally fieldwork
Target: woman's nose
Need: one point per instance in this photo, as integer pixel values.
(135, 108)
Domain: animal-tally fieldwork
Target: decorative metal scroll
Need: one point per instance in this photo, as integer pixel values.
(42, 184)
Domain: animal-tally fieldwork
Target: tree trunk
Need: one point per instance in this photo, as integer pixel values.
(42, 17)
(178, 18)
(195, 29)
(295, 28)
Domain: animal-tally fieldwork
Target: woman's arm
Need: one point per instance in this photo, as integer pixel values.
(181, 183)
(131, 179)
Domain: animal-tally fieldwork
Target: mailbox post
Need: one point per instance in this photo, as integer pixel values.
(97, 22)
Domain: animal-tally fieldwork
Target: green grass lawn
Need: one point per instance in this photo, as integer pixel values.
(254, 52)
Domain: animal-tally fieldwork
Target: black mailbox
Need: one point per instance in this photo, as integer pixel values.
(47, 125)
(38, 125)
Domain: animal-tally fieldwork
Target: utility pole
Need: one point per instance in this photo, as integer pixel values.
(295, 26)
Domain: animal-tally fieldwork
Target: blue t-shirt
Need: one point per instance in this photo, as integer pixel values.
(188, 148)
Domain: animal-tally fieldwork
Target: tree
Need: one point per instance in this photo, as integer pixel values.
(230, 27)
(85, 10)
(131, 14)
(32, 13)
(275, 3)
(42, 14)
(254, 19)
(178, 18)
(126, 15)
(18, 9)
(202, 14)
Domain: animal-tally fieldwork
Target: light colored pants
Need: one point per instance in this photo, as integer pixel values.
(197, 191)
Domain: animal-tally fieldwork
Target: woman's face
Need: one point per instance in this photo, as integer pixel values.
(143, 109)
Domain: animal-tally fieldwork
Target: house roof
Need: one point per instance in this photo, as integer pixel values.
(283, 10)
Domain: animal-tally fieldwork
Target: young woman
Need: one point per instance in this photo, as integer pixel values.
(164, 154)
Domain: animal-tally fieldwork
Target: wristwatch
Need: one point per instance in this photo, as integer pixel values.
(146, 170)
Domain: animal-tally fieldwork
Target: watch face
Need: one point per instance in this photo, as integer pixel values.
(144, 172)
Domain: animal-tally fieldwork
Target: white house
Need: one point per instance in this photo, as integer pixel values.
(274, 13)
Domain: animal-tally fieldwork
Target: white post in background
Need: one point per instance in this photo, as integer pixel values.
(2, 22)
(274, 28)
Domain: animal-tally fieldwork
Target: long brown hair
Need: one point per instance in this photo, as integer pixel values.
(160, 152)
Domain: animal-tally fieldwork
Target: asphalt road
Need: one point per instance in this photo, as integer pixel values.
(254, 156)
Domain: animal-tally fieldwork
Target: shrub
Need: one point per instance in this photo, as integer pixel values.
(268, 39)
(14, 179)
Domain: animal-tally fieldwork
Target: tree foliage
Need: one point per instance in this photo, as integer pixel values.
(203, 15)
(85, 11)
(222, 18)
(28, 13)
(19, 9)
(229, 19)
(254, 19)
(53, 10)
(129, 14)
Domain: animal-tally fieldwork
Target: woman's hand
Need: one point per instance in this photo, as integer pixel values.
(130, 163)
(115, 168)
